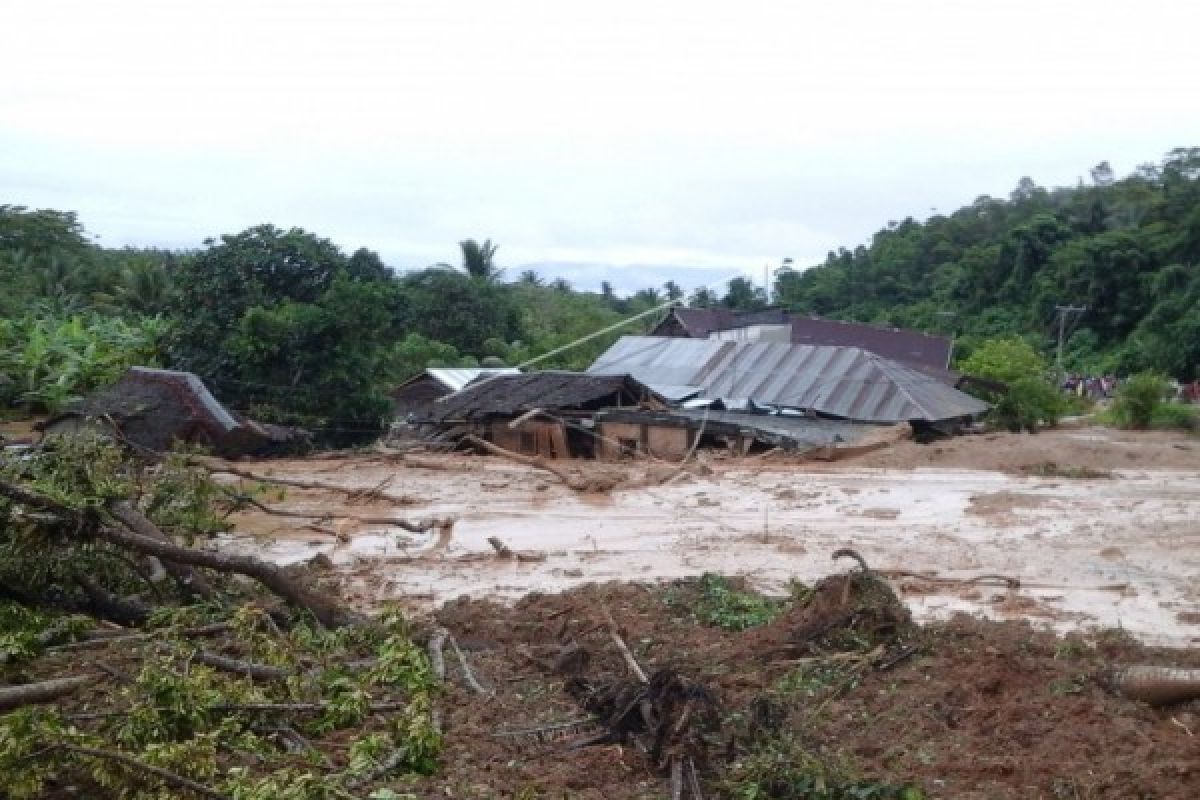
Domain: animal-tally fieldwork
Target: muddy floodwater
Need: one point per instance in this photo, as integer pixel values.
(1121, 550)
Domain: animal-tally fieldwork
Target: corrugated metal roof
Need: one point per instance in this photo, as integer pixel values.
(847, 382)
(455, 378)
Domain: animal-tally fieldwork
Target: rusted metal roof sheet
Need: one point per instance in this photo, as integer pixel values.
(920, 350)
(846, 382)
(909, 347)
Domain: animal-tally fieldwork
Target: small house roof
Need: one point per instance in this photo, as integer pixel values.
(455, 378)
(516, 394)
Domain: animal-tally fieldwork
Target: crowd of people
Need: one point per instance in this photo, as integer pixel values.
(1102, 387)
(1096, 387)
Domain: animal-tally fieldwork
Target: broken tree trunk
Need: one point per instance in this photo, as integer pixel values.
(354, 494)
(326, 609)
(419, 526)
(107, 605)
(189, 579)
(42, 691)
(1158, 686)
(262, 672)
(570, 480)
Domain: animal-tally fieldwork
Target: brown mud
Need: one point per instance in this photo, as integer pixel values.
(966, 708)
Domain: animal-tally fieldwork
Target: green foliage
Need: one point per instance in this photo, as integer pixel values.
(1140, 399)
(47, 361)
(22, 734)
(448, 306)
(1176, 416)
(283, 323)
(742, 295)
(1126, 248)
(415, 353)
(1030, 401)
(714, 601)
(781, 769)
(1006, 360)
(87, 473)
(550, 319)
(478, 260)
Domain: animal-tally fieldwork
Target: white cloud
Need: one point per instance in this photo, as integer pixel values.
(698, 133)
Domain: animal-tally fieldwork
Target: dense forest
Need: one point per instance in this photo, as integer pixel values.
(286, 326)
(1126, 249)
(282, 324)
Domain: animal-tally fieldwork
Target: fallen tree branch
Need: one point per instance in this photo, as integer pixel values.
(437, 662)
(192, 581)
(569, 479)
(104, 638)
(615, 633)
(327, 610)
(419, 526)
(166, 775)
(504, 551)
(357, 495)
(262, 672)
(390, 764)
(468, 675)
(42, 691)
(233, 708)
(108, 605)
(374, 708)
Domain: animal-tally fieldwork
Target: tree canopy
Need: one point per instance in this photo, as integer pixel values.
(1128, 249)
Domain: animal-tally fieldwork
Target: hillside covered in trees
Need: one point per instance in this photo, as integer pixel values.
(284, 325)
(1126, 248)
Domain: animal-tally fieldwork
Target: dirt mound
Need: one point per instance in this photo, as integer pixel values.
(965, 709)
(852, 612)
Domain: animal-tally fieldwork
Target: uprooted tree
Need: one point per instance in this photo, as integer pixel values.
(139, 661)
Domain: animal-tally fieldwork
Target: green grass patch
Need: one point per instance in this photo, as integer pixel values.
(717, 601)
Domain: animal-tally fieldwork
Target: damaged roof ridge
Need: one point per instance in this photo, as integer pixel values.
(836, 380)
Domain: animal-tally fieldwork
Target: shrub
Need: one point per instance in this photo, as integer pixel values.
(1029, 403)
(1176, 415)
(1139, 399)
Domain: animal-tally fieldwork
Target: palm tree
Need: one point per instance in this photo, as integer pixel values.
(530, 277)
(478, 259)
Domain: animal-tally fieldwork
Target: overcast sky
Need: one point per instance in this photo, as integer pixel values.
(632, 141)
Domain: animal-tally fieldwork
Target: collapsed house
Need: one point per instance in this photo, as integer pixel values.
(844, 383)
(415, 397)
(549, 414)
(154, 409)
(664, 396)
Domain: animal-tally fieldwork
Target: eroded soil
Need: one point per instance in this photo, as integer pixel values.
(982, 710)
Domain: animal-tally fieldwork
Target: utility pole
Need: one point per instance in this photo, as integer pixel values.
(1063, 311)
(950, 316)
